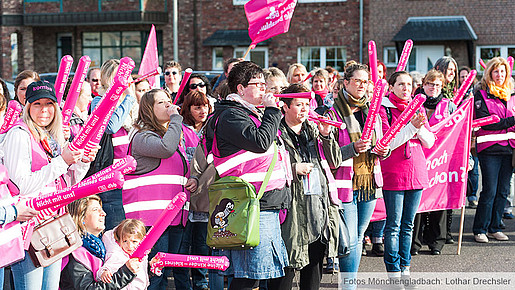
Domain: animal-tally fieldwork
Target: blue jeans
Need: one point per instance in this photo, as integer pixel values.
(357, 216)
(194, 243)
(27, 276)
(473, 180)
(169, 242)
(113, 206)
(401, 207)
(496, 171)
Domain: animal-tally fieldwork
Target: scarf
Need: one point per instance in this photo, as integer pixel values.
(363, 180)
(431, 102)
(237, 98)
(399, 103)
(502, 93)
(94, 245)
(52, 148)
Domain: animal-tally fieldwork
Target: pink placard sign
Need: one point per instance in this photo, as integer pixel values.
(188, 261)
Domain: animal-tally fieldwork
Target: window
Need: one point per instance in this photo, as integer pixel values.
(218, 58)
(486, 53)
(101, 46)
(259, 55)
(243, 2)
(313, 57)
(390, 57)
(64, 45)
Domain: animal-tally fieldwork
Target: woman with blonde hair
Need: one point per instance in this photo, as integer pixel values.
(494, 149)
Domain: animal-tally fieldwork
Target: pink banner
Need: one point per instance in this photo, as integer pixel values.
(403, 119)
(150, 59)
(188, 261)
(406, 51)
(372, 61)
(75, 87)
(464, 87)
(447, 164)
(185, 78)
(12, 115)
(485, 121)
(62, 77)
(373, 111)
(162, 222)
(268, 18)
(89, 186)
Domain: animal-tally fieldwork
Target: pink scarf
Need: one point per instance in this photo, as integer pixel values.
(398, 102)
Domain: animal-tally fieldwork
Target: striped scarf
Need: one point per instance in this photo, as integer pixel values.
(363, 180)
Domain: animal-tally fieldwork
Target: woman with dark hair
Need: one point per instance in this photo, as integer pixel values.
(448, 66)
(161, 173)
(4, 91)
(199, 83)
(22, 81)
(242, 131)
(404, 175)
(494, 149)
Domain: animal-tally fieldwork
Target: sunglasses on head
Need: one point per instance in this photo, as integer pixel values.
(194, 86)
(167, 73)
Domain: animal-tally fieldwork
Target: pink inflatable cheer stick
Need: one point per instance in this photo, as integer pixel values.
(406, 51)
(185, 78)
(12, 115)
(87, 187)
(188, 261)
(75, 87)
(485, 121)
(373, 111)
(403, 119)
(62, 77)
(314, 116)
(510, 64)
(464, 87)
(304, 95)
(482, 63)
(310, 75)
(372, 60)
(279, 104)
(155, 72)
(162, 222)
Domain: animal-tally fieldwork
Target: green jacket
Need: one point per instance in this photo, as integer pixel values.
(310, 217)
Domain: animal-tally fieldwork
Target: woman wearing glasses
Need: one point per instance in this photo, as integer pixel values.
(198, 83)
(404, 174)
(432, 226)
(359, 175)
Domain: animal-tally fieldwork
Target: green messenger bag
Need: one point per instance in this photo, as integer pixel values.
(234, 211)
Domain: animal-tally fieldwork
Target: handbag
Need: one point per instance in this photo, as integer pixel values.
(234, 211)
(54, 239)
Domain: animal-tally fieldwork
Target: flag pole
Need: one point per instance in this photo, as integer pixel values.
(460, 235)
(251, 46)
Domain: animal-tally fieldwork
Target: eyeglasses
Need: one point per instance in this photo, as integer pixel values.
(194, 86)
(95, 80)
(433, 85)
(258, 85)
(167, 73)
(359, 82)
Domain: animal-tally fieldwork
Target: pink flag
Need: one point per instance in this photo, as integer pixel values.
(268, 18)
(447, 164)
(150, 60)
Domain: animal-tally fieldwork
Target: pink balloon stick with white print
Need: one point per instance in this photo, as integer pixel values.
(62, 77)
(75, 88)
(406, 51)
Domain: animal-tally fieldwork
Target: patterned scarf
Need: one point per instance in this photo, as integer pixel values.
(237, 98)
(363, 180)
(502, 93)
(94, 245)
(449, 89)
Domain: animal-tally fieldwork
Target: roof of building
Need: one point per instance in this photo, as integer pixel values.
(436, 28)
(230, 38)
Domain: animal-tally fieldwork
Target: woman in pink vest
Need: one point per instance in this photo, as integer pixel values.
(431, 227)
(242, 141)
(81, 266)
(39, 163)
(495, 144)
(359, 175)
(161, 173)
(404, 174)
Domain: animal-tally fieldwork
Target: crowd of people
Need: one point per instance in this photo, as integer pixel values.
(317, 205)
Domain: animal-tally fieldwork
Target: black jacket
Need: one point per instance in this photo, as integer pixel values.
(76, 276)
(236, 131)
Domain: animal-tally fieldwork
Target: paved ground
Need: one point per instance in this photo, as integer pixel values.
(492, 257)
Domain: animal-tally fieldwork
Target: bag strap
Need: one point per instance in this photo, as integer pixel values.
(268, 173)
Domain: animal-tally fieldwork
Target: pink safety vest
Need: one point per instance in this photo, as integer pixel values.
(252, 167)
(191, 138)
(120, 144)
(145, 196)
(344, 173)
(87, 259)
(505, 137)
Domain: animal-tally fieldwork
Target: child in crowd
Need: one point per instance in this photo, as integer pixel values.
(120, 243)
